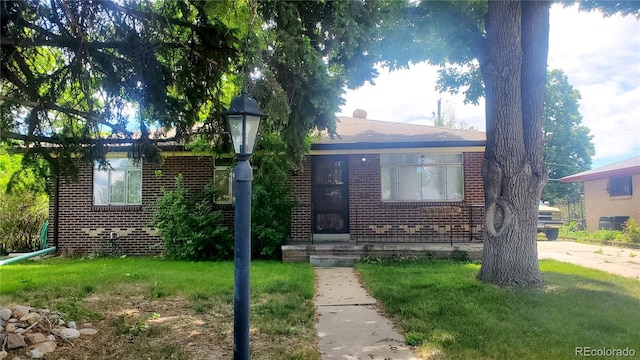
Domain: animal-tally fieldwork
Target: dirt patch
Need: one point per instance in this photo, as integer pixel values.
(136, 327)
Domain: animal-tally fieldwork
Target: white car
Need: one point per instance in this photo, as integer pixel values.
(549, 221)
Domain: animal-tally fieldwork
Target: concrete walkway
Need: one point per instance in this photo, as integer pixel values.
(349, 325)
(614, 260)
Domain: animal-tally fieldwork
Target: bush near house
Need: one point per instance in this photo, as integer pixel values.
(21, 216)
(630, 235)
(190, 226)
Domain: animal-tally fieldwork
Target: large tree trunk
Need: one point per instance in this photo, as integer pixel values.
(514, 71)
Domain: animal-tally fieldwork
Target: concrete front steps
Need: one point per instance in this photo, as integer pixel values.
(345, 254)
(332, 261)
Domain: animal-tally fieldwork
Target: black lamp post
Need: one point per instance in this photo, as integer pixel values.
(243, 118)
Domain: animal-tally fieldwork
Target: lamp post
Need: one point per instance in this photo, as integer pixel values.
(243, 118)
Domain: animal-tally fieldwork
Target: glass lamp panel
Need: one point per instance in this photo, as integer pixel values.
(244, 139)
(251, 132)
(235, 127)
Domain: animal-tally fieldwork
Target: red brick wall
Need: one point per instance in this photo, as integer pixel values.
(85, 228)
(372, 220)
(301, 213)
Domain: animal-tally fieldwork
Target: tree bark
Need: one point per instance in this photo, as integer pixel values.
(514, 72)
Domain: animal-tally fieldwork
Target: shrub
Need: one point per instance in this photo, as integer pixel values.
(21, 216)
(190, 226)
(271, 199)
(632, 230)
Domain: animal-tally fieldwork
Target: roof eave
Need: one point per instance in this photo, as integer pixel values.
(397, 145)
(600, 175)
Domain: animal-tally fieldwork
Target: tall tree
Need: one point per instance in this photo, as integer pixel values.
(497, 49)
(568, 147)
(74, 73)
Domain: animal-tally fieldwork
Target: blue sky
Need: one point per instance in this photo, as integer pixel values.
(600, 56)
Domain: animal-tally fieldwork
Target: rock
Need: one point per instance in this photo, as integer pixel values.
(12, 321)
(31, 318)
(20, 311)
(10, 328)
(51, 337)
(35, 338)
(15, 341)
(87, 331)
(35, 354)
(3, 354)
(69, 334)
(45, 347)
(86, 325)
(71, 325)
(5, 314)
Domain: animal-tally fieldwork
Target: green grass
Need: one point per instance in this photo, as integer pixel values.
(91, 289)
(444, 310)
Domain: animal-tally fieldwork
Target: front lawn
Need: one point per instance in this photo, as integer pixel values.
(444, 310)
(147, 308)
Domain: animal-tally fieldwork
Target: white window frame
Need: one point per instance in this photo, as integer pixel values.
(110, 171)
(231, 188)
(423, 162)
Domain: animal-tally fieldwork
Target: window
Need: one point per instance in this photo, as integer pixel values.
(223, 185)
(620, 186)
(421, 177)
(119, 184)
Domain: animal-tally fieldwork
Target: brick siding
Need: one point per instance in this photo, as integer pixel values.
(85, 228)
(372, 220)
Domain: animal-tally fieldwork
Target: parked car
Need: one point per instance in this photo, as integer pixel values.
(549, 221)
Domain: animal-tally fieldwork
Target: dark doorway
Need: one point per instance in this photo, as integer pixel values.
(330, 195)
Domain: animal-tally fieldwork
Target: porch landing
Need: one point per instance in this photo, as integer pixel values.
(301, 252)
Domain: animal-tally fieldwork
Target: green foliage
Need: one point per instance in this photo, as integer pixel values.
(282, 293)
(295, 57)
(460, 256)
(444, 310)
(190, 226)
(271, 198)
(135, 54)
(413, 339)
(632, 231)
(569, 147)
(629, 234)
(24, 204)
(21, 216)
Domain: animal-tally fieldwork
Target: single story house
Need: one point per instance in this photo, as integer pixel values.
(609, 192)
(376, 182)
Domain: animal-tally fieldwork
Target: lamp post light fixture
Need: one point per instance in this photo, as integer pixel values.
(243, 118)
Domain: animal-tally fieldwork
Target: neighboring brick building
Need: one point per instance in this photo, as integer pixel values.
(376, 182)
(609, 191)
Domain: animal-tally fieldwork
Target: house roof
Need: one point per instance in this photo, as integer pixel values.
(624, 167)
(359, 133)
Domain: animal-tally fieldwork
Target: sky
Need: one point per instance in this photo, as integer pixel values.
(600, 56)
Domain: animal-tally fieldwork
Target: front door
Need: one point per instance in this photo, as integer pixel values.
(330, 195)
